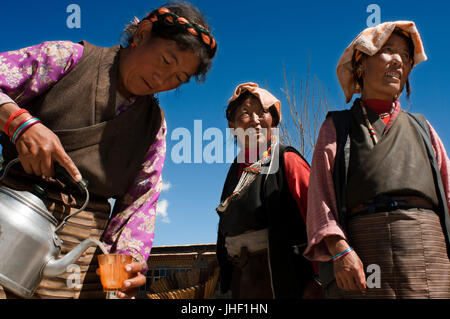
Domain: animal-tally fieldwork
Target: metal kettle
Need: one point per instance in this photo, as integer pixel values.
(29, 244)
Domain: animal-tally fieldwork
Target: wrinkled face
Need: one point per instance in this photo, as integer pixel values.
(154, 65)
(386, 72)
(252, 123)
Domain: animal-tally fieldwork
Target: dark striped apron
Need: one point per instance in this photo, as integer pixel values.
(409, 247)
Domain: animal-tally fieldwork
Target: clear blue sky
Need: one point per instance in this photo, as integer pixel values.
(255, 38)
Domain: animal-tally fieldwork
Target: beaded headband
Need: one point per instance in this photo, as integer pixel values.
(165, 16)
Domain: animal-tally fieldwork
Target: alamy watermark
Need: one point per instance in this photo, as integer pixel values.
(374, 18)
(73, 21)
(73, 281)
(374, 279)
(215, 145)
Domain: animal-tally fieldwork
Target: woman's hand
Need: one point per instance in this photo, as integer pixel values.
(38, 148)
(348, 270)
(131, 286)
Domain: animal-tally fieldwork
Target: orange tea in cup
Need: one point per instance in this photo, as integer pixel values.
(112, 271)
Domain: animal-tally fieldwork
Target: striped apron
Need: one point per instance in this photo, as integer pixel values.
(408, 246)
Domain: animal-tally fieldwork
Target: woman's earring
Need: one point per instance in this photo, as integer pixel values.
(133, 45)
(360, 71)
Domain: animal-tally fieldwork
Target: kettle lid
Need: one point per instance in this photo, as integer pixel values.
(30, 200)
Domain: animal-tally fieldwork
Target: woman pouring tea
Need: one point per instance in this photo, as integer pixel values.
(92, 110)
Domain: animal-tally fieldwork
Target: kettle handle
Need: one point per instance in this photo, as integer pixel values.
(8, 166)
(60, 173)
(82, 185)
(86, 201)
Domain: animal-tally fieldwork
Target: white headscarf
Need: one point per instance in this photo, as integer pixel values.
(370, 41)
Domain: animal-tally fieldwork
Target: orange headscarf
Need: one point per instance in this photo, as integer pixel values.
(369, 42)
(265, 97)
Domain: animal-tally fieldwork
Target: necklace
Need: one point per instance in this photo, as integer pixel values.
(249, 174)
(369, 126)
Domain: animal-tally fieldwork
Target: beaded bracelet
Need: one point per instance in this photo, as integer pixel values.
(342, 254)
(11, 118)
(23, 127)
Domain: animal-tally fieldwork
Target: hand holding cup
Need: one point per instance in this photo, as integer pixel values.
(125, 279)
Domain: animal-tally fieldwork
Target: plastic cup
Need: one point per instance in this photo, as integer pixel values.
(112, 271)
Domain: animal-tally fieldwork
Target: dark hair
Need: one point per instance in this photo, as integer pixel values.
(184, 39)
(356, 64)
(234, 105)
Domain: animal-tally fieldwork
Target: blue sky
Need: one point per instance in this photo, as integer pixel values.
(255, 40)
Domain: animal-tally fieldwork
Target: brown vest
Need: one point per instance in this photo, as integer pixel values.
(397, 165)
(80, 109)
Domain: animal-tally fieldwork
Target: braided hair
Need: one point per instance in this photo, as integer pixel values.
(183, 23)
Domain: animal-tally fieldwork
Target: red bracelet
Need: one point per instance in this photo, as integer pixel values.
(11, 118)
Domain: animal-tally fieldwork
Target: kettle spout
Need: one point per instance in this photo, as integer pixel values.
(55, 267)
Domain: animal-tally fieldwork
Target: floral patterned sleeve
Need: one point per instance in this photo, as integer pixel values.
(131, 229)
(29, 72)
